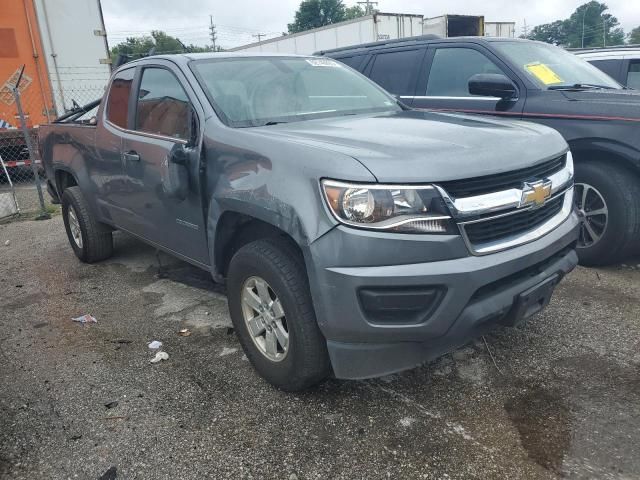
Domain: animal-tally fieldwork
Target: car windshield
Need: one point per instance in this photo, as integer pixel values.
(553, 68)
(257, 91)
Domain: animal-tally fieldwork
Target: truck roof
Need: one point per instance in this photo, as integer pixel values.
(418, 40)
(186, 57)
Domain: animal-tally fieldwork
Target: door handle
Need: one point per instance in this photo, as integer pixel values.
(131, 156)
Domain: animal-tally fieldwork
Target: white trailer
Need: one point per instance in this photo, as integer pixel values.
(454, 26)
(500, 29)
(74, 43)
(367, 29)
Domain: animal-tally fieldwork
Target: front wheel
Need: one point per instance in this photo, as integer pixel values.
(273, 316)
(608, 204)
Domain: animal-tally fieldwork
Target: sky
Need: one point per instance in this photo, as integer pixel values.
(238, 21)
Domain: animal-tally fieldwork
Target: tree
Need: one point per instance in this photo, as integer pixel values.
(318, 13)
(634, 36)
(353, 12)
(555, 33)
(158, 42)
(589, 26)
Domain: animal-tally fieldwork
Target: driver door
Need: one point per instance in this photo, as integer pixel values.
(163, 198)
(446, 85)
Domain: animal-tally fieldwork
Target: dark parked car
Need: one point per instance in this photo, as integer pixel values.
(354, 235)
(620, 63)
(541, 83)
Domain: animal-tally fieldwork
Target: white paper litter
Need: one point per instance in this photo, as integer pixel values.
(155, 345)
(85, 319)
(159, 357)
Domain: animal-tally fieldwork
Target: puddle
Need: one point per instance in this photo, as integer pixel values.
(188, 275)
(544, 424)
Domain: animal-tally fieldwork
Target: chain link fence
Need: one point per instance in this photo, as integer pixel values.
(21, 168)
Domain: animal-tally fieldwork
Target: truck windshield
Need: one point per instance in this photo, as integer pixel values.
(258, 91)
(553, 68)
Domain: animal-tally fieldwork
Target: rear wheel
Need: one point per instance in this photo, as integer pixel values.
(273, 315)
(608, 204)
(90, 240)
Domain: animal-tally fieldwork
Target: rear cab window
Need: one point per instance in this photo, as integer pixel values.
(118, 99)
(354, 62)
(397, 71)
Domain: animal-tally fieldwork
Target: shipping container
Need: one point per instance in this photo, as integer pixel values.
(500, 29)
(62, 44)
(367, 29)
(454, 26)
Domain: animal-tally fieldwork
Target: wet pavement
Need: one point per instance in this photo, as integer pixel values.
(559, 398)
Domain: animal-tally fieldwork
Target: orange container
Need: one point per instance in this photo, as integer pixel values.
(20, 44)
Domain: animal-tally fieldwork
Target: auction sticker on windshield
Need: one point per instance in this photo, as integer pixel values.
(544, 73)
(322, 62)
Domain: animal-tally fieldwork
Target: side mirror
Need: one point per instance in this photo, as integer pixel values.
(492, 85)
(175, 173)
(193, 127)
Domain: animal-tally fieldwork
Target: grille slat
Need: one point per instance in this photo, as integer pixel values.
(518, 223)
(502, 181)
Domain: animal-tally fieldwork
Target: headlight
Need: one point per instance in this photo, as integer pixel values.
(412, 209)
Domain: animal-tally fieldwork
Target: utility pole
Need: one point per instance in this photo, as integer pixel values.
(604, 32)
(259, 36)
(212, 33)
(368, 6)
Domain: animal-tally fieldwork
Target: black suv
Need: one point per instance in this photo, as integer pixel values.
(522, 79)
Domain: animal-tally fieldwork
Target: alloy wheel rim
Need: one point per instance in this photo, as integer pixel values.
(74, 226)
(593, 213)
(265, 319)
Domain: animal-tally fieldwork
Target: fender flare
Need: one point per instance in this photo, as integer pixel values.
(621, 152)
(283, 217)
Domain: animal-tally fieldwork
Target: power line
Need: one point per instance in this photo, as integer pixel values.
(212, 30)
(368, 6)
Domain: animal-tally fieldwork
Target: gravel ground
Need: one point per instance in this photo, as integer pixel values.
(561, 400)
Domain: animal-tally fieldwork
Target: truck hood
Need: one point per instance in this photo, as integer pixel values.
(605, 104)
(419, 146)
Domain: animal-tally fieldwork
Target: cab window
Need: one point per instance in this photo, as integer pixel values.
(396, 72)
(452, 68)
(633, 77)
(118, 99)
(163, 106)
(353, 62)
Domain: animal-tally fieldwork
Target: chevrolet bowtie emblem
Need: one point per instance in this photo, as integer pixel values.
(535, 193)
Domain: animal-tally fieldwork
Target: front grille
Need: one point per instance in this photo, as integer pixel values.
(502, 181)
(508, 225)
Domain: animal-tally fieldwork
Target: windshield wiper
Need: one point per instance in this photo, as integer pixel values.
(272, 122)
(580, 86)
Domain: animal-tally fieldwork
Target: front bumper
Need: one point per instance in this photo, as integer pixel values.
(478, 292)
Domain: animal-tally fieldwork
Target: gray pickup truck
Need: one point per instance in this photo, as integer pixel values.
(355, 236)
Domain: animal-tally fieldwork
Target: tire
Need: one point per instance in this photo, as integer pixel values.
(95, 241)
(619, 191)
(279, 264)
